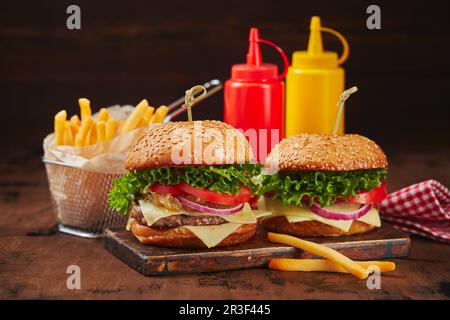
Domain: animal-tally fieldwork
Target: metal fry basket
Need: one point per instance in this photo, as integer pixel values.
(80, 200)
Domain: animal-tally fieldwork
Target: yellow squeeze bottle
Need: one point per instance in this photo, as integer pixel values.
(313, 85)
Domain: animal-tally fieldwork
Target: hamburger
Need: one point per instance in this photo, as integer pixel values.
(189, 185)
(323, 185)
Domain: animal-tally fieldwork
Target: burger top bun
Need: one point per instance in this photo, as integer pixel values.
(325, 152)
(188, 143)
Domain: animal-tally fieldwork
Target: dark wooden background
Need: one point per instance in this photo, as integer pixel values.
(128, 50)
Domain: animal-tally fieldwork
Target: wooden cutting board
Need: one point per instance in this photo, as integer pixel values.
(383, 243)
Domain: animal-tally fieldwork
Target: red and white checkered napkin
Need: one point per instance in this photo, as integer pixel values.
(423, 209)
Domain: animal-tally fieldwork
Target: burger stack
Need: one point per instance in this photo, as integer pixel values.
(312, 185)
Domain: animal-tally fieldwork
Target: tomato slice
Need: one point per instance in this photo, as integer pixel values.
(375, 195)
(253, 202)
(221, 198)
(164, 189)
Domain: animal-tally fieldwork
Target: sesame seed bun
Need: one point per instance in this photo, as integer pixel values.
(172, 144)
(325, 152)
(181, 237)
(312, 228)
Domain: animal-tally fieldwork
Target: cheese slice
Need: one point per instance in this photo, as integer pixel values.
(214, 234)
(153, 213)
(293, 219)
(261, 213)
(245, 216)
(128, 226)
(372, 217)
(339, 224)
(295, 213)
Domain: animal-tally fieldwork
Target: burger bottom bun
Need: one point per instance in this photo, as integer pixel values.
(312, 228)
(181, 237)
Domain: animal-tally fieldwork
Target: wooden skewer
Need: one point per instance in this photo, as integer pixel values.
(344, 96)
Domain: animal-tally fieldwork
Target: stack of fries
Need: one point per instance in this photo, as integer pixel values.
(88, 131)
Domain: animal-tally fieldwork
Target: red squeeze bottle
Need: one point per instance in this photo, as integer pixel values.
(254, 98)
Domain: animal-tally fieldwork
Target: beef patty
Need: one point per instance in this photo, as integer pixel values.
(176, 220)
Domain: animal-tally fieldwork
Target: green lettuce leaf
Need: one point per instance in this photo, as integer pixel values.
(323, 187)
(222, 179)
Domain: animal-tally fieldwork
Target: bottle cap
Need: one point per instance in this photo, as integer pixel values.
(255, 69)
(315, 56)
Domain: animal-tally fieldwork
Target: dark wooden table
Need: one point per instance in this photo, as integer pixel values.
(33, 260)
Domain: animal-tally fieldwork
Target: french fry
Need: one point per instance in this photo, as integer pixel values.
(74, 128)
(82, 132)
(85, 109)
(283, 264)
(103, 115)
(87, 139)
(134, 118)
(385, 266)
(322, 251)
(91, 137)
(148, 114)
(75, 120)
(147, 117)
(159, 115)
(59, 125)
(141, 123)
(110, 129)
(75, 123)
(68, 134)
(101, 126)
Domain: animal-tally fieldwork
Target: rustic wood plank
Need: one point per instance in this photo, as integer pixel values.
(383, 243)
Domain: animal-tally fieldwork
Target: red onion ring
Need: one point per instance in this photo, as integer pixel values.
(202, 208)
(327, 214)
